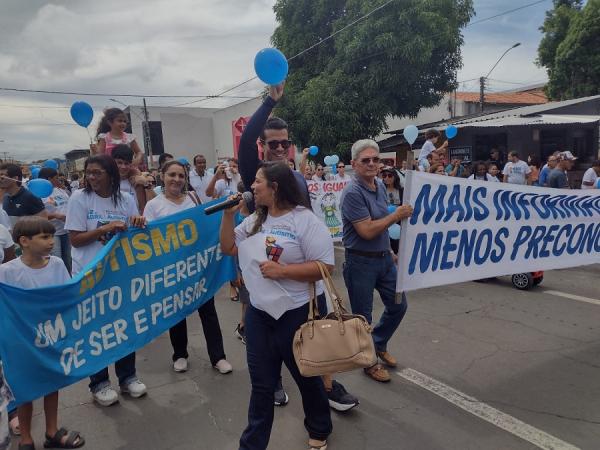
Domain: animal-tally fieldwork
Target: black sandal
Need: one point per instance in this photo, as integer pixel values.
(27, 446)
(74, 439)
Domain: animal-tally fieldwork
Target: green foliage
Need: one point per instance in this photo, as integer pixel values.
(576, 71)
(402, 58)
(555, 28)
(570, 49)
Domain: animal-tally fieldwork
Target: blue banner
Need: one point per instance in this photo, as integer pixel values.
(143, 282)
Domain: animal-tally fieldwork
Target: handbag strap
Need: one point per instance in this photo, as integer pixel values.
(336, 299)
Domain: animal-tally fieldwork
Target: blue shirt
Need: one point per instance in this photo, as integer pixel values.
(359, 203)
(543, 179)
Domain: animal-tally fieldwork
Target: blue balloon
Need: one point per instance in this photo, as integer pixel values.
(327, 160)
(451, 131)
(184, 161)
(394, 231)
(410, 134)
(40, 188)
(334, 169)
(392, 208)
(35, 166)
(271, 66)
(35, 172)
(335, 159)
(82, 113)
(51, 164)
(313, 150)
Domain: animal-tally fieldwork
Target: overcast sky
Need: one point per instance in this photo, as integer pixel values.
(180, 47)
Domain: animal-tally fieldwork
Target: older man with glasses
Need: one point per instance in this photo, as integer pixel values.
(370, 263)
(552, 162)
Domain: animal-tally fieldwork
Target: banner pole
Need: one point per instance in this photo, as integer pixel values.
(402, 245)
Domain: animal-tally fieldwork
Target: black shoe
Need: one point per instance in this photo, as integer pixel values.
(240, 333)
(281, 398)
(340, 399)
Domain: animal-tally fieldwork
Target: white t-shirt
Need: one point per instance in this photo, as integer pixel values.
(517, 172)
(427, 148)
(589, 176)
(338, 177)
(16, 273)
(127, 187)
(200, 183)
(293, 238)
(57, 203)
(225, 188)
(6, 241)
(75, 184)
(424, 165)
(161, 206)
(88, 211)
(4, 219)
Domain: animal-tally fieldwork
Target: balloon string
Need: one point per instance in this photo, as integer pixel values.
(88, 131)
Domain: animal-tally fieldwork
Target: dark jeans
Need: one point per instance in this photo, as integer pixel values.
(268, 344)
(362, 276)
(125, 368)
(212, 334)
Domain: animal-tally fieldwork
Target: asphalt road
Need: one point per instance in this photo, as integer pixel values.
(482, 366)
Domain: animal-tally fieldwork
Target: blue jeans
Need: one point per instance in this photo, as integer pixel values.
(362, 276)
(125, 368)
(268, 344)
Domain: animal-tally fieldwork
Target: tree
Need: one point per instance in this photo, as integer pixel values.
(555, 28)
(398, 60)
(576, 69)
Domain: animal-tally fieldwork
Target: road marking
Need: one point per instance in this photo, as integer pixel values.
(579, 298)
(502, 420)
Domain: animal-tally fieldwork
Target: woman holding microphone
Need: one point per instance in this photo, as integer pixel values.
(277, 246)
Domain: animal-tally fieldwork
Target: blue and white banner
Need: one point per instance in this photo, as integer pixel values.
(464, 230)
(142, 283)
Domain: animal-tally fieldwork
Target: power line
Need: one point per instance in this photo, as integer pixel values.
(98, 94)
(202, 98)
(301, 53)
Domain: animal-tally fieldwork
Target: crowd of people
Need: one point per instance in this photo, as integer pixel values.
(56, 237)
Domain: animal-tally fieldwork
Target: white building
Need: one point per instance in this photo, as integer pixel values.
(185, 132)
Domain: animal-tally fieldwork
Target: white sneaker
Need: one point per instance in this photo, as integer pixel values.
(134, 388)
(180, 365)
(223, 366)
(106, 396)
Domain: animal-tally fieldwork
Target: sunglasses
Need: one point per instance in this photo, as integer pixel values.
(341, 167)
(387, 175)
(274, 145)
(374, 159)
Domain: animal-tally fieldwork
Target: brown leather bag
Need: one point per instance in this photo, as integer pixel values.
(339, 342)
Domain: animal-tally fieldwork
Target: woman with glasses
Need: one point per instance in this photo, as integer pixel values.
(94, 215)
(293, 238)
(173, 199)
(341, 173)
(319, 173)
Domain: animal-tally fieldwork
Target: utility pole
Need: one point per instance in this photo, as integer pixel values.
(482, 79)
(147, 140)
(481, 93)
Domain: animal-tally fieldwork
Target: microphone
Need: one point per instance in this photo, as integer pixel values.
(246, 196)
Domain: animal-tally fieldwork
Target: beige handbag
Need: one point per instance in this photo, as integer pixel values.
(339, 342)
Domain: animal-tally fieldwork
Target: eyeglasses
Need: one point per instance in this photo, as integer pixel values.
(320, 170)
(365, 161)
(274, 145)
(341, 166)
(94, 173)
(387, 175)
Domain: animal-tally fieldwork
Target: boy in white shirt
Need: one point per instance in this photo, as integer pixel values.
(35, 269)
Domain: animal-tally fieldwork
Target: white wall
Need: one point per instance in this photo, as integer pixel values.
(191, 131)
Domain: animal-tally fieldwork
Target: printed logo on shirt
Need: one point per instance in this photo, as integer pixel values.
(282, 232)
(273, 250)
(110, 216)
